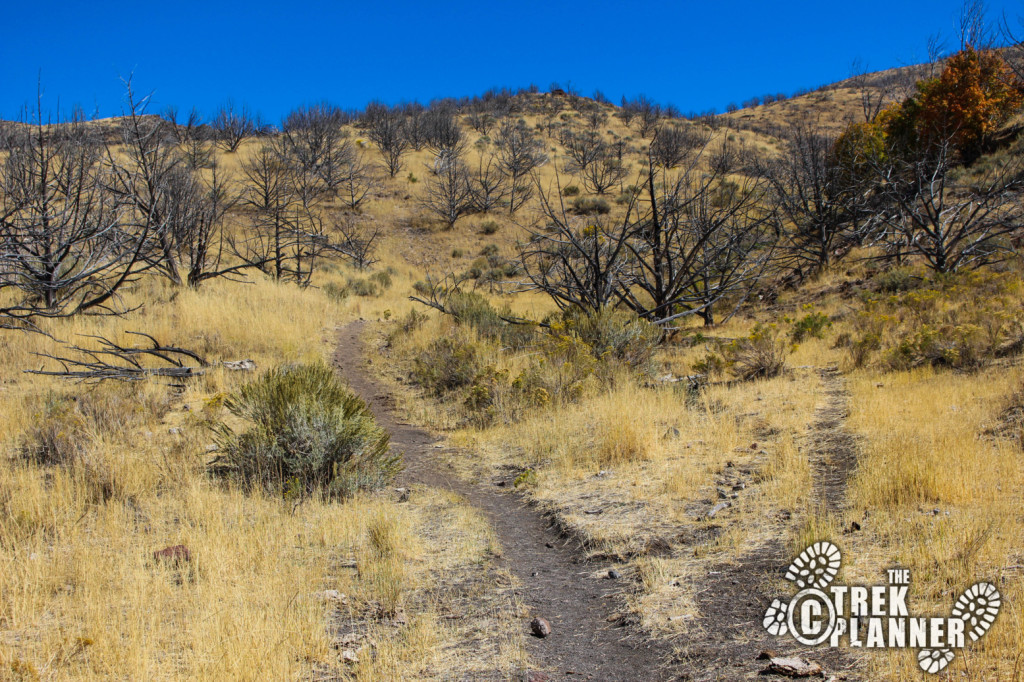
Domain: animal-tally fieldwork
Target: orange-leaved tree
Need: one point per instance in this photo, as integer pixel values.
(974, 96)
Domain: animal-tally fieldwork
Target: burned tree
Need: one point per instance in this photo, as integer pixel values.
(386, 129)
(449, 195)
(519, 154)
(64, 248)
(487, 185)
(233, 125)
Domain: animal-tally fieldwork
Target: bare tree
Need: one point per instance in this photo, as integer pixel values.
(519, 154)
(233, 125)
(487, 185)
(672, 143)
(952, 220)
(448, 193)
(385, 127)
(480, 122)
(583, 147)
(578, 263)
(64, 248)
(813, 194)
(647, 113)
(358, 180)
(704, 238)
(318, 144)
(604, 172)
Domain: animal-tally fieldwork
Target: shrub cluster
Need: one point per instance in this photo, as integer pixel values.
(307, 433)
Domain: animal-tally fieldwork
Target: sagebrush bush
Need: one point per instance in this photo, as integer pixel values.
(447, 364)
(570, 191)
(307, 434)
(488, 227)
(590, 206)
(610, 333)
(810, 325)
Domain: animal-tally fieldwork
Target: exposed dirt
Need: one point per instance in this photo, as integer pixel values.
(556, 583)
(834, 455)
(733, 599)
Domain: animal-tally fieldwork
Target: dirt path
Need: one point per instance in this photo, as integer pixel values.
(734, 597)
(556, 584)
(834, 451)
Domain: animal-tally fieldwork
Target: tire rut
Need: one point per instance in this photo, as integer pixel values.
(734, 597)
(556, 583)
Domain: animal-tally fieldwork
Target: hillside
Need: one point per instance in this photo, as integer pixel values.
(413, 378)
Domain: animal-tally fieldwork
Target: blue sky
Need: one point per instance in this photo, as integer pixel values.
(274, 55)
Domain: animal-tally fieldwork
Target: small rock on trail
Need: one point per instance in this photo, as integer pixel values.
(540, 627)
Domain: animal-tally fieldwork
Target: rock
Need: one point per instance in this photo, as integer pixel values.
(614, 618)
(537, 677)
(174, 431)
(793, 667)
(614, 575)
(403, 494)
(239, 365)
(540, 627)
(349, 656)
(673, 432)
(722, 494)
(717, 508)
(330, 596)
(177, 554)
(766, 655)
(593, 511)
(549, 545)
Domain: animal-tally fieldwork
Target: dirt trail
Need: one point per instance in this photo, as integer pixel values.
(734, 597)
(556, 584)
(834, 455)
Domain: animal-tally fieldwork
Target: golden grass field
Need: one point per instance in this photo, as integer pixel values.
(937, 488)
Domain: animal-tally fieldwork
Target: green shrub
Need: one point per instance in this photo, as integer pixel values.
(489, 250)
(336, 292)
(457, 253)
(488, 227)
(383, 278)
(571, 191)
(590, 206)
(306, 433)
(897, 280)
(615, 334)
(363, 287)
(810, 325)
(446, 365)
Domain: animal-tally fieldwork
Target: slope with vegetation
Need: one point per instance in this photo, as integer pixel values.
(696, 343)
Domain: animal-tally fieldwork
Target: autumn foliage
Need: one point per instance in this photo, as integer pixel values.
(975, 95)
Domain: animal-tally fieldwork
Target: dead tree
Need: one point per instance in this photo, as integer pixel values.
(812, 193)
(125, 363)
(233, 125)
(672, 144)
(583, 147)
(358, 180)
(385, 127)
(519, 154)
(449, 194)
(951, 220)
(64, 247)
(702, 239)
(487, 185)
(579, 263)
(604, 172)
(318, 145)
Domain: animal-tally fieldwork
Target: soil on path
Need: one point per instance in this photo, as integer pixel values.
(733, 599)
(557, 584)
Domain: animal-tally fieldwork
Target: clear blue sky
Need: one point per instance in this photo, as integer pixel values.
(275, 55)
